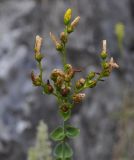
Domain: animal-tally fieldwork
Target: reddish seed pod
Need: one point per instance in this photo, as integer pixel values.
(65, 92)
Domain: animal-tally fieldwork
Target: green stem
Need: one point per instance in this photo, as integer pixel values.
(64, 139)
(41, 73)
(64, 57)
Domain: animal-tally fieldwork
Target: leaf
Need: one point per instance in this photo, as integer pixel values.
(72, 131)
(63, 150)
(57, 134)
(65, 115)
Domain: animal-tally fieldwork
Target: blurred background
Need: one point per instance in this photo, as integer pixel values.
(106, 118)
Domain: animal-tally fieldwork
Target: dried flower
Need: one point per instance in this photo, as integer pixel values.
(57, 44)
(77, 98)
(80, 83)
(38, 43)
(57, 73)
(59, 81)
(112, 64)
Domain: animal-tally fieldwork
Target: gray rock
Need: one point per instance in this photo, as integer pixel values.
(22, 105)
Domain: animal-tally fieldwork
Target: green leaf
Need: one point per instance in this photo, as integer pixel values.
(65, 115)
(57, 134)
(72, 131)
(63, 150)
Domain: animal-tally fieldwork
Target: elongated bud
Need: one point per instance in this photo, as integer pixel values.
(67, 16)
(38, 43)
(75, 22)
(57, 44)
(80, 83)
(104, 50)
(63, 37)
(77, 98)
(35, 79)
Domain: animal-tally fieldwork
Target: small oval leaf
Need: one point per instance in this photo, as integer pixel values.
(63, 150)
(65, 115)
(57, 134)
(72, 131)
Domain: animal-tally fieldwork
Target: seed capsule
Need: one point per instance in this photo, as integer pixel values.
(65, 91)
(48, 88)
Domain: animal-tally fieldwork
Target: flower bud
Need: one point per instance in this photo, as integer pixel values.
(92, 83)
(104, 55)
(80, 83)
(77, 98)
(91, 75)
(63, 37)
(105, 65)
(75, 22)
(59, 47)
(68, 67)
(106, 73)
(35, 79)
(67, 16)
